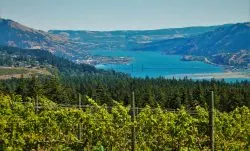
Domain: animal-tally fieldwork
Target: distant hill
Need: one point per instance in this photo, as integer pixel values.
(225, 39)
(127, 39)
(17, 35)
(227, 45)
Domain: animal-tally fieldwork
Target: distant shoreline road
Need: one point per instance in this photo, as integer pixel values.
(220, 75)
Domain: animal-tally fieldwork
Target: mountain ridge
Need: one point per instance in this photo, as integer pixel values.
(230, 38)
(128, 39)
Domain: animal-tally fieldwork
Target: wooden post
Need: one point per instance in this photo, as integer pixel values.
(79, 101)
(36, 104)
(133, 120)
(211, 121)
(36, 111)
(79, 125)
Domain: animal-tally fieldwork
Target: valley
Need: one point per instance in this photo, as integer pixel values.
(222, 47)
(225, 45)
(130, 75)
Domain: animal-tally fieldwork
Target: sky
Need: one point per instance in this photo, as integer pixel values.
(123, 14)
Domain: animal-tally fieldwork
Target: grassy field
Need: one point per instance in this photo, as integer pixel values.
(10, 70)
(17, 72)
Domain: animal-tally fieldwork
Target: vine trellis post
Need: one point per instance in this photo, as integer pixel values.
(211, 121)
(133, 120)
(80, 124)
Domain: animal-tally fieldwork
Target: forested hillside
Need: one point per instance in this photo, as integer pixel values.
(69, 79)
(11, 56)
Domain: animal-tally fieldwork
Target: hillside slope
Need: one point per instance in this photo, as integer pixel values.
(17, 35)
(11, 56)
(224, 39)
(226, 45)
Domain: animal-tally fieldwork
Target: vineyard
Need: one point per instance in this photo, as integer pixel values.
(51, 126)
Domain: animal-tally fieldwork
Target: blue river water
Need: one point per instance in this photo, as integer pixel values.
(155, 64)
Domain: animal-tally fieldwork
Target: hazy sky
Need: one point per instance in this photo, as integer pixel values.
(123, 14)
